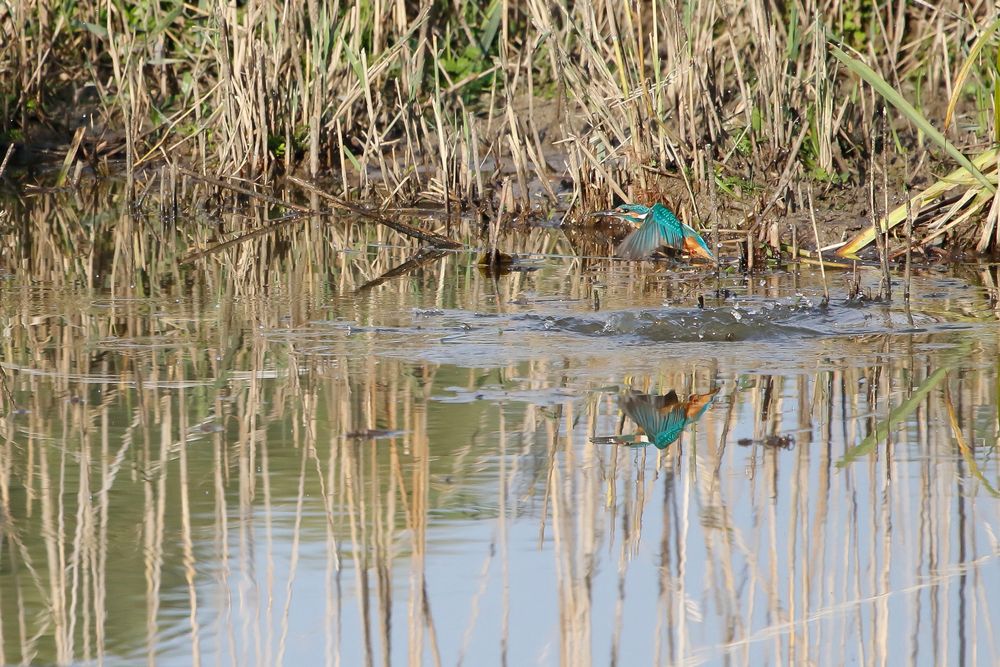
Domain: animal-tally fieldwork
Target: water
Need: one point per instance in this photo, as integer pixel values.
(255, 459)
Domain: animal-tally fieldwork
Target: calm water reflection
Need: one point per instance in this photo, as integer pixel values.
(248, 462)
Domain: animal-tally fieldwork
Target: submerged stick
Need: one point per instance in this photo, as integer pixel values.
(422, 257)
(273, 225)
(433, 238)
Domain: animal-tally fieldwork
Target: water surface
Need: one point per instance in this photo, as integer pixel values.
(264, 457)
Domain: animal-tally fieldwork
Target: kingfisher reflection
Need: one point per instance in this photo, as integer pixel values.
(661, 417)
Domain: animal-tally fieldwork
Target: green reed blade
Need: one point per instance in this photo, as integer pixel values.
(897, 100)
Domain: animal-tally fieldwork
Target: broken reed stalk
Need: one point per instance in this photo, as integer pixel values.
(174, 202)
(884, 287)
(909, 245)
(993, 217)
(6, 158)
(7, 394)
(494, 229)
(819, 250)
(713, 195)
(883, 130)
(162, 201)
(74, 146)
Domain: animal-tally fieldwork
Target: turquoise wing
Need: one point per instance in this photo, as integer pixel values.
(666, 437)
(660, 228)
(670, 227)
(641, 243)
(661, 417)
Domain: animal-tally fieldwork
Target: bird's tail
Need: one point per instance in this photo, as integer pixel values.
(695, 245)
(698, 403)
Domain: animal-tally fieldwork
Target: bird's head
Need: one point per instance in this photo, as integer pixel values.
(631, 213)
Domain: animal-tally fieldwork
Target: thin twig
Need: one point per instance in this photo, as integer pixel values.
(819, 251)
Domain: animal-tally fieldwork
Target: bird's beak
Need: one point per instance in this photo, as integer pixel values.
(604, 214)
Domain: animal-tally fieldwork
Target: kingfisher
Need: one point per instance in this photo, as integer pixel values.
(663, 417)
(657, 227)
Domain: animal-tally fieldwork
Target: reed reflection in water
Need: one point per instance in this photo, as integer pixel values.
(277, 469)
(264, 505)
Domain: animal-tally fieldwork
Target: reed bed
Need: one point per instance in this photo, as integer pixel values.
(512, 105)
